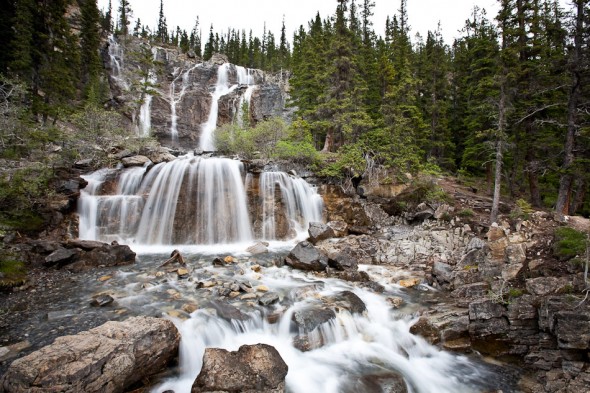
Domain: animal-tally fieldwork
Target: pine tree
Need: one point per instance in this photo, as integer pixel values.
(209, 45)
(162, 32)
(90, 45)
(107, 19)
(23, 46)
(125, 15)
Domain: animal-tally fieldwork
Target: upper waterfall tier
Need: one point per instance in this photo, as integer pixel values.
(190, 97)
(195, 201)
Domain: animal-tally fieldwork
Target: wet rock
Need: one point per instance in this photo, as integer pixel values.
(309, 318)
(182, 272)
(349, 301)
(252, 369)
(319, 231)
(343, 261)
(11, 351)
(218, 262)
(108, 358)
(373, 286)
(359, 230)
(268, 298)
(102, 300)
(258, 248)
(424, 328)
(107, 255)
(86, 245)
(135, 161)
(409, 283)
(349, 275)
(227, 311)
(306, 257)
(395, 301)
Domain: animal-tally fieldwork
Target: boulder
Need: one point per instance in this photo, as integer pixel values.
(135, 161)
(306, 257)
(542, 286)
(349, 301)
(309, 318)
(319, 231)
(258, 248)
(107, 255)
(62, 256)
(340, 228)
(343, 261)
(108, 358)
(251, 369)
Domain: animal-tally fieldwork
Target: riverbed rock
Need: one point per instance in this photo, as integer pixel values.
(62, 256)
(349, 301)
(135, 161)
(258, 248)
(307, 257)
(107, 255)
(251, 369)
(108, 358)
(309, 318)
(343, 261)
(319, 231)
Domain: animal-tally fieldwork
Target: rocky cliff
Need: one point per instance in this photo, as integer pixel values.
(170, 95)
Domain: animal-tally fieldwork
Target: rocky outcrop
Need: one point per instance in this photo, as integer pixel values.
(251, 369)
(108, 358)
(78, 255)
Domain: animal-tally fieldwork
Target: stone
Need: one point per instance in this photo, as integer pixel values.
(424, 328)
(182, 272)
(395, 301)
(251, 369)
(340, 228)
(343, 261)
(306, 257)
(516, 254)
(84, 164)
(107, 255)
(189, 308)
(409, 283)
(258, 248)
(256, 268)
(542, 286)
(309, 318)
(349, 301)
(108, 358)
(62, 256)
(443, 272)
(262, 288)
(319, 231)
(268, 298)
(248, 296)
(485, 309)
(423, 212)
(135, 161)
(227, 311)
(102, 300)
(229, 259)
(443, 211)
(495, 233)
(104, 278)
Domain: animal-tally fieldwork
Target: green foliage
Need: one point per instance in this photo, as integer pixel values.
(466, 213)
(349, 162)
(569, 243)
(23, 194)
(12, 271)
(522, 210)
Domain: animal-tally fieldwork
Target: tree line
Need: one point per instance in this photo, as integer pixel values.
(506, 101)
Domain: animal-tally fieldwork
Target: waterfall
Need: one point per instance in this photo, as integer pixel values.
(221, 88)
(244, 104)
(302, 204)
(145, 115)
(175, 98)
(194, 201)
(116, 58)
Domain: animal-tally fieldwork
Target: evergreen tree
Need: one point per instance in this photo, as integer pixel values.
(23, 45)
(107, 19)
(125, 15)
(209, 45)
(195, 38)
(7, 14)
(90, 45)
(284, 52)
(162, 31)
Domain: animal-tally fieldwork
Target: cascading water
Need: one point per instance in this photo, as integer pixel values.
(221, 88)
(145, 113)
(302, 204)
(116, 57)
(176, 98)
(190, 201)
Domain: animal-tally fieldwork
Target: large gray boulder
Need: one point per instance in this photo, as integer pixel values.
(306, 257)
(251, 369)
(319, 231)
(108, 358)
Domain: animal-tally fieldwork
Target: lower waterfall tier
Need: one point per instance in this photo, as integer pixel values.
(195, 201)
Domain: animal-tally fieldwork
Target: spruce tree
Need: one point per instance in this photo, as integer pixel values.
(125, 14)
(90, 45)
(162, 31)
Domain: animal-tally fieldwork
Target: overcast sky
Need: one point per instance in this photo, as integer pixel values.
(423, 15)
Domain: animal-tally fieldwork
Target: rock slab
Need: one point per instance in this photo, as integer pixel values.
(251, 369)
(106, 359)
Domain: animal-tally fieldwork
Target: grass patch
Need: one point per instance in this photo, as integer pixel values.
(12, 273)
(569, 243)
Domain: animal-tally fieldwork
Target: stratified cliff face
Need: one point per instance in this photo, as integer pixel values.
(188, 94)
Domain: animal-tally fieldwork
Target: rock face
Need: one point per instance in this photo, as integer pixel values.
(251, 369)
(108, 358)
(184, 85)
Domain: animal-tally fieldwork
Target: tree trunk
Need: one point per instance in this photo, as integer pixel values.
(499, 154)
(565, 183)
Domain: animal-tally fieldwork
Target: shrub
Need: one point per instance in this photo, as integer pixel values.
(569, 243)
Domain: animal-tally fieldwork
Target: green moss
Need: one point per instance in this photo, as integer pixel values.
(466, 213)
(569, 243)
(12, 273)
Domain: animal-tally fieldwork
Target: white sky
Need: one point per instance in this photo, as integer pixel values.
(423, 15)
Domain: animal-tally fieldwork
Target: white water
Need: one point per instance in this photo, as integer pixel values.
(376, 343)
(221, 88)
(244, 104)
(176, 98)
(145, 111)
(302, 204)
(191, 201)
(116, 57)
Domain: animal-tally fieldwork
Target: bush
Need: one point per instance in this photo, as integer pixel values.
(569, 243)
